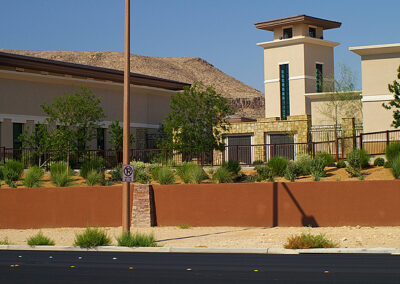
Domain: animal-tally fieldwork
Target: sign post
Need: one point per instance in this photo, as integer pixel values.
(126, 133)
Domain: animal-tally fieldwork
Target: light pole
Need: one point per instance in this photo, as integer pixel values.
(126, 134)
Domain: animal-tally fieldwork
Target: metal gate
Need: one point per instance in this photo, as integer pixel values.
(281, 145)
(239, 149)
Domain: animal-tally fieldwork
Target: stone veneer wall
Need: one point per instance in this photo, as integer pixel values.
(143, 214)
(298, 125)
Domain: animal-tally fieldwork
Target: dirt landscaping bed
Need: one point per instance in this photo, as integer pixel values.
(230, 237)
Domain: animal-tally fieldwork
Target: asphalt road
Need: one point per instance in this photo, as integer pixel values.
(109, 267)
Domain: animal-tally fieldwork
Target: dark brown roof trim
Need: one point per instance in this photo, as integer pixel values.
(86, 71)
(271, 25)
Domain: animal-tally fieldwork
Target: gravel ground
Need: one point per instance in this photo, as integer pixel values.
(230, 237)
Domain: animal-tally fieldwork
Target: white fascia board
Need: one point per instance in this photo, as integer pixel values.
(376, 49)
(377, 98)
(297, 40)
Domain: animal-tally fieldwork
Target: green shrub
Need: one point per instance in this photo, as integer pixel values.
(356, 160)
(96, 164)
(396, 167)
(155, 172)
(318, 168)
(278, 165)
(116, 173)
(341, 164)
(222, 175)
(141, 176)
(379, 162)
(392, 151)
(304, 162)
(40, 240)
(191, 173)
(386, 165)
(12, 172)
(62, 179)
(258, 163)
(4, 242)
(328, 159)
(33, 177)
(232, 166)
(94, 177)
(136, 240)
(92, 237)
(1, 173)
(59, 168)
(264, 173)
(165, 176)
(293, 171)
(307, 241)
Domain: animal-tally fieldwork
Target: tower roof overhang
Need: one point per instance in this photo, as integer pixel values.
(300, 19)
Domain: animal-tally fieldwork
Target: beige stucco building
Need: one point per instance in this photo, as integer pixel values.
(379, 64)
(27, 82)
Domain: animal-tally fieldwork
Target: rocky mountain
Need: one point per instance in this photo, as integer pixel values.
(248, 101)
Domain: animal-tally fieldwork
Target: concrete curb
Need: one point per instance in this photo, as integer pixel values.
(391, 251)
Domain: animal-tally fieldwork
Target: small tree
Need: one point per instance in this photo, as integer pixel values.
(39, 140)
(194, 125)
(116, 138)
(77, 117)
(395, 103)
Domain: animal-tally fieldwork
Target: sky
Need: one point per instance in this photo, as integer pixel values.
(220, 31)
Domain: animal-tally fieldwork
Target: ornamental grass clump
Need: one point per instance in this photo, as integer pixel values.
(222, 175)
(318, 168)
(307, 241)
(96, 164)
(137, 239)
(191, 173)
(94, 177)
(40, 240)
(392, 151)
(328, 159)
(92, 237)
(340, 164)
(396, 167)
(60, 175)
(12, 172)
(163, 175)
(278, 165)
(232, 166)
(33, 177)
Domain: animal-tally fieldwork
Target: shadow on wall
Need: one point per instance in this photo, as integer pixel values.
(308, 221)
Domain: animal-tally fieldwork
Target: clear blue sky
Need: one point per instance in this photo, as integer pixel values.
(219, 31)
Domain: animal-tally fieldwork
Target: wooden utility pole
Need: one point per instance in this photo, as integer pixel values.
(125, 148)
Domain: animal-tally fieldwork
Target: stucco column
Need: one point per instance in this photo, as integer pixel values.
(6, 133)
(29, 126)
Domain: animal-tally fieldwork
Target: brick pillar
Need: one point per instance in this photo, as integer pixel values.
(143, 213)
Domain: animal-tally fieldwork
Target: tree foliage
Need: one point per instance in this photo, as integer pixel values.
(116, 136)
(342, 99)
(196, 121)
(395, 103)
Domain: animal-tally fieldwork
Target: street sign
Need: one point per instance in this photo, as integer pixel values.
(128, 174)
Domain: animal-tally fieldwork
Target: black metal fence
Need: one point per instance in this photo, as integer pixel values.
(374, 142)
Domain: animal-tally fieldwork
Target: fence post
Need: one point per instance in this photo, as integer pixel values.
(166, 157)
(313, 149)
(237, 152)
(387, 137)
(337, 149)
(361, 141)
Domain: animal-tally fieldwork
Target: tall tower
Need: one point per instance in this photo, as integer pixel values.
(296, 62)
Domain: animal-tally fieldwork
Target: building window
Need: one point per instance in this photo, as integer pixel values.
(287, 33)
(318, 77)
(17, 131)
(284, 86)
(312, 32)
(100, 139)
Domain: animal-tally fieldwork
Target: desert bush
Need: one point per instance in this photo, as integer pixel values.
(165, 176)
(278, 165)
(155, 173)
(40, 240)
(137, 239)
(392, 151)
(191, 173)
(33, 177)
(116, 173)
(141, 176)
(94, 177)
(293, 170)
(396, 167)
(341, 164)
(92, 237)
(307, 241)
(379, 162)
(304, 162)
(4, 242)
(232, 166)
(96, 164)
(12, 172)
(318, 168)
(328, 159)
(258, 162)
(222, 175)
(264, 173)
(359, 158)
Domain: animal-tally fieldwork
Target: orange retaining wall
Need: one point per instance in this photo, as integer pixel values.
(365, 203)
(61, 207)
